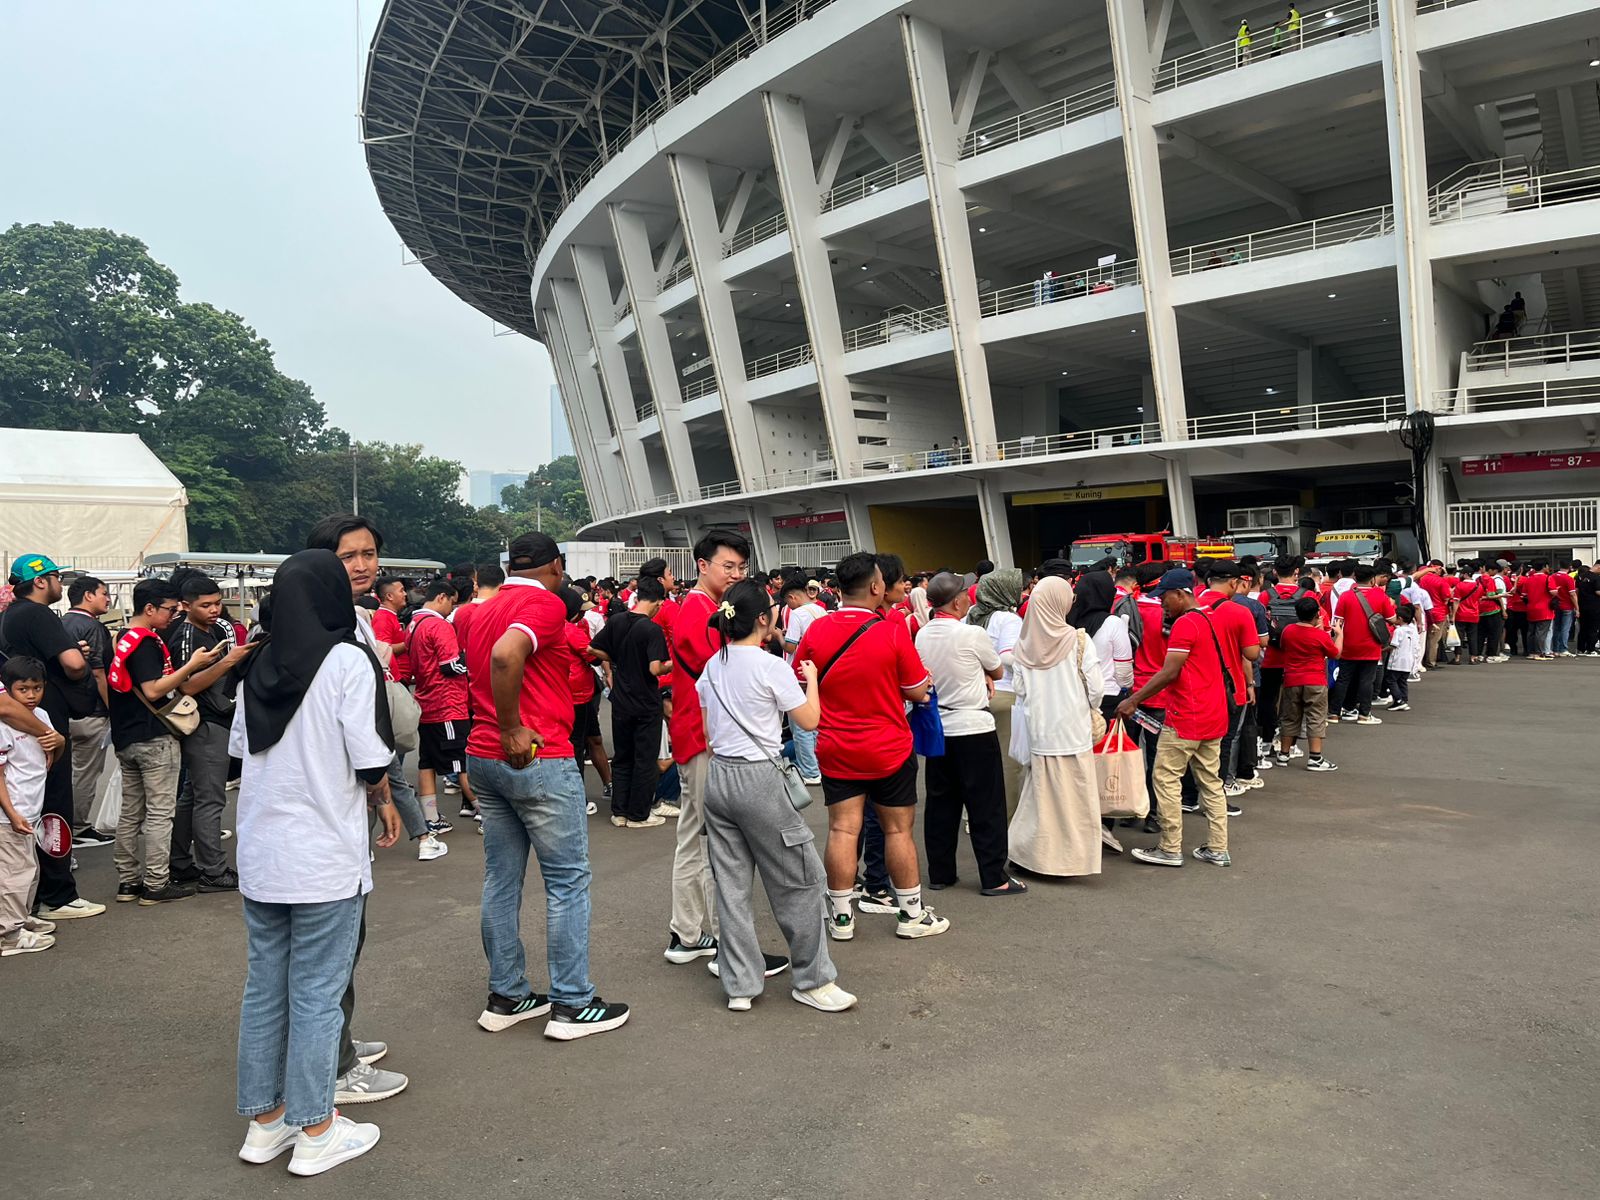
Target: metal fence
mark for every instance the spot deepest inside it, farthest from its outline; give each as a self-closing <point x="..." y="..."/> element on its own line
<point x="812" y="554"/>
<point x="684" y="269"/>
<point x="759" y="232"/>
<point x="1550" y="393"/>
<point x="873" y="181"/>
<point x="1071" y="286"/>
<point x="771" y="364"/>
<point x="897" y="323"/>
<point x="1578" y="519"/>
<point x="1096" y="99"/>
<point x="1355" y="16"/>
<point x="1287" y="239"/>
<point x="1536" y="350"/>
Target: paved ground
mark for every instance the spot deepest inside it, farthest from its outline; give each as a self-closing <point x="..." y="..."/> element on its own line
<point x="1392" y="993"/>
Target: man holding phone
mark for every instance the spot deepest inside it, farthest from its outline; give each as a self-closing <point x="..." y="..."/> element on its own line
<point x="197" y="856"/>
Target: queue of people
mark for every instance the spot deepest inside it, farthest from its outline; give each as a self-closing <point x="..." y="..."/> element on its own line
<point x="737" y="700"/>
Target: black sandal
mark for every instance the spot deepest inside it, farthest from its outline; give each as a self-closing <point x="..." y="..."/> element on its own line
<point x="1011" y="887"/>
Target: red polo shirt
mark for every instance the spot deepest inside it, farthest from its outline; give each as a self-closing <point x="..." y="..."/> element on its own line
<point x="863" y="734"/>
<point x="690" y="644"/>
<point x="1197" y="704"/>
<point x="1359" y="645"/>
<point x="545" y="705"/>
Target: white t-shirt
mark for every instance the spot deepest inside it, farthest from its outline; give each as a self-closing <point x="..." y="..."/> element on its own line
<point x="799" y="621"/>
<point x="957" y="655"/>
<point x="1004" y="629"/>
<point x="303" y="819"/>
<point x="24" y="761"/>
<point x="1419" y="598"/>
<point x="1115" y="648"/>
<point x="1407" y="649"/>
<point x="760" y="688"/>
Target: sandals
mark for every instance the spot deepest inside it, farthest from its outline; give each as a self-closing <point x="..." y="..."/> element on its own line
<point x="1011" y="887"/>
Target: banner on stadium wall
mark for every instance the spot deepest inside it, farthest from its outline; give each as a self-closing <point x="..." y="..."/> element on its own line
<point x="801" y="520"/>
<point x="1511" y="464"/>
<point x="1084" y="495"/>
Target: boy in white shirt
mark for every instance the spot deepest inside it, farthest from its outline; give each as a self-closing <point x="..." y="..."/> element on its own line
<point x="1405" y="655"/>
<point x="24" y="763"/>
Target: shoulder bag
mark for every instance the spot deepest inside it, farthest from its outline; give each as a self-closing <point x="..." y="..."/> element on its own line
<point x="793" y="785"/>
<point x="1097" y="721"/>
<point x="1378" y="626"/>
<point x="1234" y="707"/>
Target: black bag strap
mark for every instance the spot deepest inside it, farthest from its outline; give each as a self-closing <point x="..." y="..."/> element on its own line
<point x="848" y="642"/>
<point x="1227" y="675"/>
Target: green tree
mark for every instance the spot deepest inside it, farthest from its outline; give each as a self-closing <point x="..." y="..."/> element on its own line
<point x="551" y="496"/>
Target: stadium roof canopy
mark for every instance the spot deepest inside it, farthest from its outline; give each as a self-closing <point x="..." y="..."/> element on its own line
<point x="482" y="117"/>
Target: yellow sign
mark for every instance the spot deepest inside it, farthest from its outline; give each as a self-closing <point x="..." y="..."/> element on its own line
<point x="1084" y="495"/>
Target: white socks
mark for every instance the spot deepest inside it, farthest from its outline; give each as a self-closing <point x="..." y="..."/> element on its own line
<point x="430" y="807"/>
<point x="910" y="901"/>
<point x="839" y="903"/>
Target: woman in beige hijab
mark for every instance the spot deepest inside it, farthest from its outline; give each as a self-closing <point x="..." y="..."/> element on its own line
<point x="1058" y="680"/>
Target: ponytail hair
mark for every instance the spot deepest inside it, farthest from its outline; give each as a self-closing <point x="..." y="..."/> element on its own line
<point x="739" y="612"/>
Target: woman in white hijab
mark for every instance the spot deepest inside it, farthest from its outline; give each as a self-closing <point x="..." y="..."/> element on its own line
<point x="921" y="610"/>
<point x="1058" y="679"/>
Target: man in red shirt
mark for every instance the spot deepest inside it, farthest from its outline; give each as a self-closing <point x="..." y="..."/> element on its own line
<point x="531" y="797"/>
<point x="1534" y="588"/>
<point x="1564" y="596"/>
<point x="386" y="625"/>
<point x="1148" y="655"/>
<point x="1242" y="640"/>
<point x="1351" y="696"/>
<point x="1193" y="681"/>
<point x="722" y="557"/>
<point x="866" y="669"/>
<point x="1432" y="581"/>
<point x="440" y="686"/>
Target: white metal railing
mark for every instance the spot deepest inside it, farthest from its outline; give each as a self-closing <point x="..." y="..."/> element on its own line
<point x="645" y="409"/>
<point x="683" y="269"/>
<point x="1073" y="442"/>
<point x="796" y="477"/>
<point x="1290" y="417"/>
<point x="1510" y="186"/>
<point x="1577" y="518"/>
<point x="664" y="499"/>
<point x="626" y="560"/>
<point x="700" y="387"/>
<point x="1427" y="6"/>
<point x="895" y="462"/>
<point x="1099" y="98"/>
<point x="623" y="311"/>
<point x="1287" y="239"/>
<point x="759" y="232"/>
<point x="1324" y="25"/>
<point x="897" y="323"/>
<point x="712" y="490"/>
<point x="677" y="91"/>
<point x="1069" y="286"/>
<point x="813" y="554"/>
<point x="1535" y="350"/>
<point x="873" y="181"/>
<point x="771" y="364"/>
<point x="1548" y="393"/>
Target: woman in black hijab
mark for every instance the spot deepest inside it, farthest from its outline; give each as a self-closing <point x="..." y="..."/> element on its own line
<point x="1092" y="601"/>
<point x="312" y="728"/>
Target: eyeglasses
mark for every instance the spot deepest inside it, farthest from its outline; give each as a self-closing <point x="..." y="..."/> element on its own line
<point x="167" y="608"/>
<point x="731" y="566"/>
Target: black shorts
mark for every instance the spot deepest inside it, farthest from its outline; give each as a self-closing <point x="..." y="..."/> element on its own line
<point x="586" y="720"/>
<point x="442" y="747"/>
<point x="898" y="790"/>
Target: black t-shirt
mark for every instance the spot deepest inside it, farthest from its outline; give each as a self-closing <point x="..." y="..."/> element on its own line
<point x="132" y="721"/>
<point x="81" y="627"/>
<point x="183" y="639"/>
<point x="632" y="642"/>
<point x="32" y="630"/>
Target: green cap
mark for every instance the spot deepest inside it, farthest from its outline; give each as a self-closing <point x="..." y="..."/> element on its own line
<point x="31" y="566"/>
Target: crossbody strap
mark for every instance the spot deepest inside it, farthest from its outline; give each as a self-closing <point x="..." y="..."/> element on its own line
<point x="1222" y="662"/>
<point x="754" y="740"/>
<point x="848" y="642"/>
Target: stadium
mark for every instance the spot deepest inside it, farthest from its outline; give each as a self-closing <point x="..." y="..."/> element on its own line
<point x="973" y="280"/>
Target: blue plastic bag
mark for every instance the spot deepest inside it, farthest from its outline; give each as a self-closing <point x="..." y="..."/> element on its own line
<point x="927" y="729"/>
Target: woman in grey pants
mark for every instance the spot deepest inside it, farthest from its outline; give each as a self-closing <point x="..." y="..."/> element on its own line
<point x="750" y="823"/>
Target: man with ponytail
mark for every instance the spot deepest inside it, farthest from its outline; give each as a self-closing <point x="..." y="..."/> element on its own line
<point x="722" y="557"/>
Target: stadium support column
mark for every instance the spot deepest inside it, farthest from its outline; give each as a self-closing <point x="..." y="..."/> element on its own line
<point x="702" y="239"/>
<point x="797" y="186"/>
<point x="655" y="346"/>
<point x="594" y="303"/>
<point x="941" y="154"/>
<point x="996" y="526"/>
<point x="858" y="521"/>
<point x="763" y="537"/>
<point x="604" y="479"/>
<point x="1130" y="54"/>
<point x="1408" y="177"/>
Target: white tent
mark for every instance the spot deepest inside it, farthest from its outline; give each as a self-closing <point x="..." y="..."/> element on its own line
<point x="94" y="501"/>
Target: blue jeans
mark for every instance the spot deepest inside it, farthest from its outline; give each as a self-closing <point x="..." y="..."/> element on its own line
<point x="805" y="752"/>
<point x="668" y="789"/>
<point x="1561" y="631"/>
<point x="405" y="799"/>
<point x="300" y="958"/>
<point x="542" y="807"/>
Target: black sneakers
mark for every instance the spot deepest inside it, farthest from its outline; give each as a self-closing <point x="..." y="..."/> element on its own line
<point x="502" y="1012"/>
<point x="128" y="892"/>
<point x="173" y="891"/>
<point x="680" y="952"/>
<point x="775" y="964"/>
<point x="90" y="836"/>
<point x="568" y="1023"/>
<point x="228" y="881"/>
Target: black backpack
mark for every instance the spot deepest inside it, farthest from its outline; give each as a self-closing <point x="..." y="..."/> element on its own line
<point x="1281" y="614"/>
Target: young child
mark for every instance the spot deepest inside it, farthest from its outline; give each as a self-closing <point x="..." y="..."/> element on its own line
<point x="1307" y="650"/>
<point x="1405" y="655"/>
<point x="23" y="766"/>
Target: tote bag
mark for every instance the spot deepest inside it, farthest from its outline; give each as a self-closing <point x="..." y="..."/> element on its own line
<point x="927" y="727"/>
<point x="1119" y="764"/>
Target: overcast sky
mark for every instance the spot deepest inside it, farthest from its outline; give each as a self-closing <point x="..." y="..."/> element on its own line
<point x="222" y="133"/>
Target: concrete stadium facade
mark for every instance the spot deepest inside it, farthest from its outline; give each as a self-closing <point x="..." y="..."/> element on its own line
<point x="961" y="280"/>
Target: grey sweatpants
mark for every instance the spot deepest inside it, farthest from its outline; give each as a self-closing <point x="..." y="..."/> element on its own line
<point x="751" y="826"/>
<point x="197" y="819"/>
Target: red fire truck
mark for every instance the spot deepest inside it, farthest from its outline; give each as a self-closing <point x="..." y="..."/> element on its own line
<point x="1131" y="549"/>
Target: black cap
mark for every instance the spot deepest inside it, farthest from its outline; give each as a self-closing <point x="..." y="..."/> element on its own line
<point x="1222" y="569"/>
<point x="531" y="550"/>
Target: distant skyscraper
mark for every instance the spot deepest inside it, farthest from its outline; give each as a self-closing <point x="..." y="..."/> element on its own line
<point x="560" y="435"/>
<point x="486" y="486"/>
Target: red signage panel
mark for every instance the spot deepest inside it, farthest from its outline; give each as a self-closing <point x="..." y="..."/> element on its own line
<point x="801" y="520"/>
<point x="1510" y="464"/>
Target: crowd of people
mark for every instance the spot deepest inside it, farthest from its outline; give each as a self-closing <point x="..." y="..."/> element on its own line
<point x="735" y="699"/>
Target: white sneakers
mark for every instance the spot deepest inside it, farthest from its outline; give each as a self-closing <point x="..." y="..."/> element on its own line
<point x="68" y="912"/>
<point x="343" y="1140"/>
<point x="830" y="997"/>
<point x="664" y="809"/>
<point x="430" y="848"/>
<point x="649" y="822"/>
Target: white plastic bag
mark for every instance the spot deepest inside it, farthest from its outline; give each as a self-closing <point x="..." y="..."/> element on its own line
<point x="107" y="809"/>
<point x="1021" y="750"/>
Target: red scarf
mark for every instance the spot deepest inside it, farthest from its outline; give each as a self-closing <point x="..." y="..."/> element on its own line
<point x="132" y="638"/>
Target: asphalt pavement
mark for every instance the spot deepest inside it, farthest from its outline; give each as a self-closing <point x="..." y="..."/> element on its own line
<point x="1392" y="993"/>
